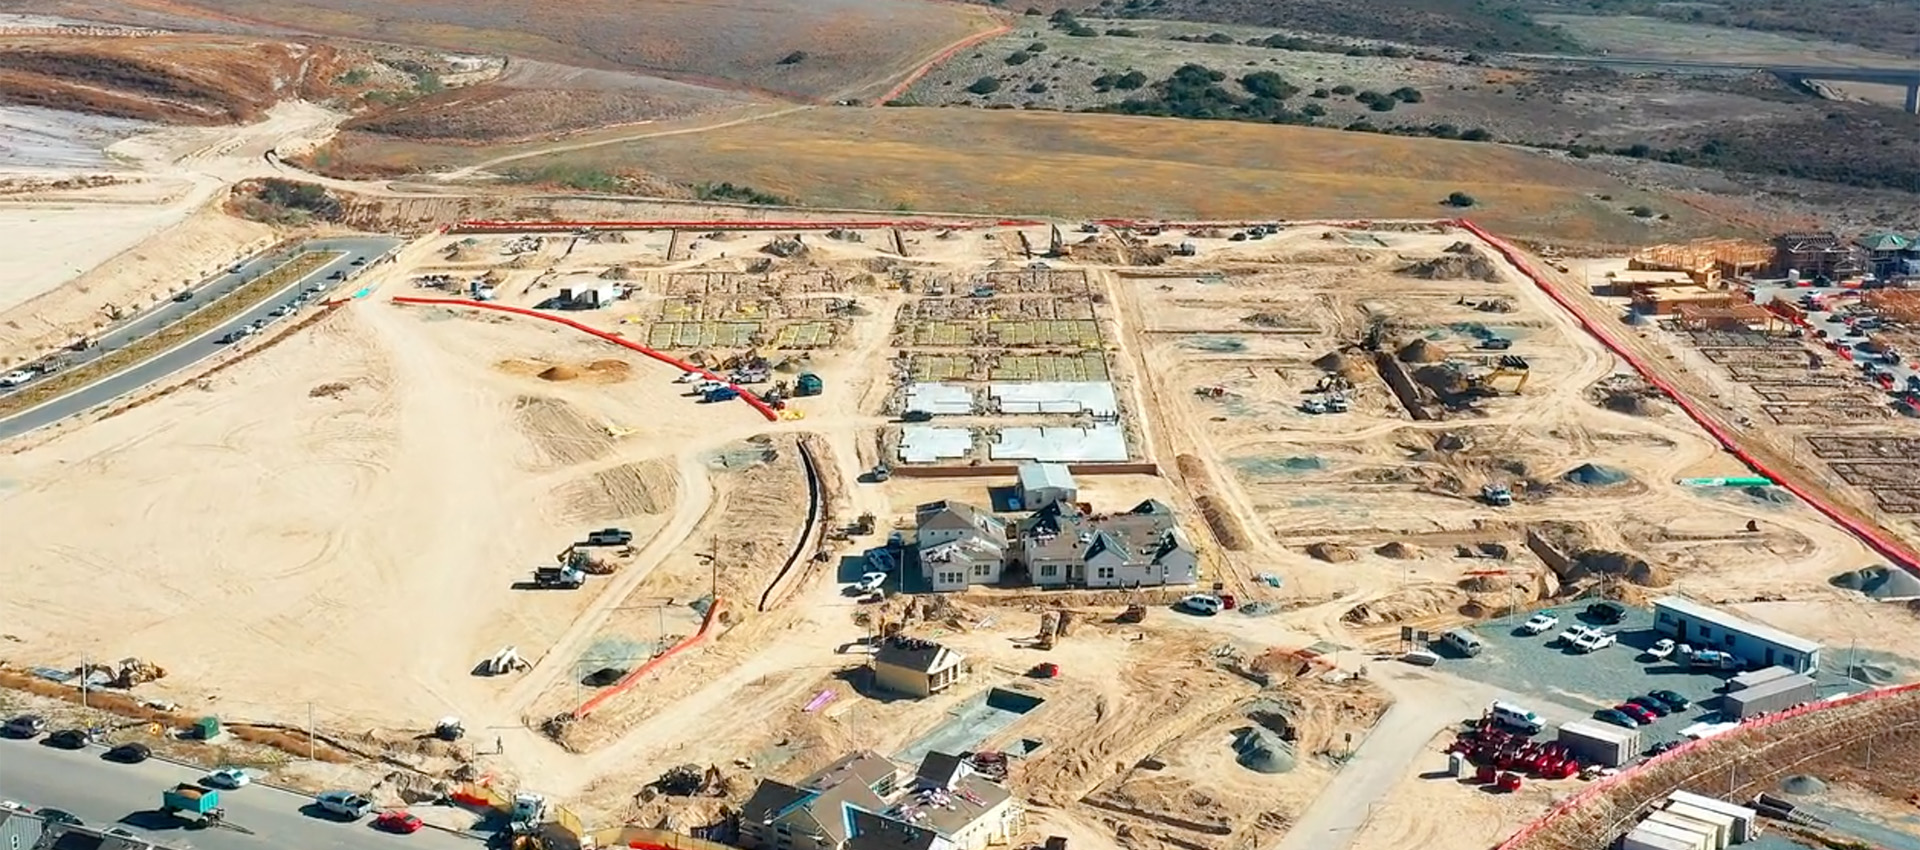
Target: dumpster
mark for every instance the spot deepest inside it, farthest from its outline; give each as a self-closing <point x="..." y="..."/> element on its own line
<point x="190" y="800"/>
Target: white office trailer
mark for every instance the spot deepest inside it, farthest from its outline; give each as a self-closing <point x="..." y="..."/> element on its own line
<point x="1706" y="833"/>
<point x="1704" y="627"/>
<point x="1669" y="836"/>
<point x="1722" y="824"/>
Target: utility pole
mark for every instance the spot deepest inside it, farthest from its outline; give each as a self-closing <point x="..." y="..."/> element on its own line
<point x="310" y="748"/>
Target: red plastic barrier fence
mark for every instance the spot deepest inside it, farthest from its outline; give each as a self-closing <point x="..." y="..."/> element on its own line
<point x="904" y="224"/>
<point x="627" y="682"/>
<point x="1887" y="548"/>
<point x="745" y="394"/>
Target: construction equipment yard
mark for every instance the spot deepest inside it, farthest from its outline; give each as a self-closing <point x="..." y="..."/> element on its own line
<point x="1362" y="429"/>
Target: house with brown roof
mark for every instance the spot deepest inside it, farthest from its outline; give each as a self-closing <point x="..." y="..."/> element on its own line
<point x="866" y="802"/>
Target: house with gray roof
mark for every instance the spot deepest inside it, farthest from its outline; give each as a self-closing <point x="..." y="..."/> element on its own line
<point x="866" y="802"/>
<point x="959" y="545"/>
<point x="1062" y="547"/>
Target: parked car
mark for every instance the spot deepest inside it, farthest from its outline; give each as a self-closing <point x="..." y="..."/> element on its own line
<point x="1594" y="640"/>
<point x="337" y="275"/>
<point x="17" y="377"/>
<point x="280" y="311"/>
<point x="870" y="582"/>
<point x="404" y="823"/>
<point x="359" y="261"/>
<point x="1663" y="746"/>
<point x="26" y="726"/>
<point x="609" y="537"/>
<point x="129" y="753"/>
<point x="1204" y="604"/>
<point x="1616" y="717"/>
<point x="68" y="739"/>
<point x="1639" y="715"/>
<point x="183" y="296"/>
<point x="1661" y="650"/>
<point x="1608" y="613"/>
<point x="228" y="777"/>
<point x="1653" y="706"/>
<point x="1540" y="622"/>
<point x="59" y="816"/>
<point x="1675" y="702"/>
<point x="231" y="337"/>
<point x="344" y="803"/>
<point x="1573" y="635"/>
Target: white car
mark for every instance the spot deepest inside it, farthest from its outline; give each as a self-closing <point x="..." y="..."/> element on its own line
<point x="870" y="582"/>
<point x="1541" y="622"/>
<point x="16" y="378"/>
<point x="1203" y="603"/>
<point x="1574" y="634"/>
<point x="1661" y="649"/>
<point x="1594" y="640"/>
<point x="228" y="777"/>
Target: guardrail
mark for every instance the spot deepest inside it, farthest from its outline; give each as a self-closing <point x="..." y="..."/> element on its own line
<point x="746" y="395"/>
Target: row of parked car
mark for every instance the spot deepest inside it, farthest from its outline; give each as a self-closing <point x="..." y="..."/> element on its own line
<point x="342" y="804"/>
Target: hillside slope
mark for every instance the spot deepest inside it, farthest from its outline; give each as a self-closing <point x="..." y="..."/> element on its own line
<point x="189" y="79"/>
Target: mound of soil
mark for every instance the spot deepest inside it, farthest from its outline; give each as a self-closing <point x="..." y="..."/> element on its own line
<point x="1261" y="751"/>
<point x="1879" y="583"/>
<point x="560" y="372"/>
<point x="1398" y="551"/>
<point x="1465" y="266"/>
<point x="616" y="273"/>
<point x="1332" y="553"/>
<point x="1451" y="441"/>
<point x="1606" y="563"/>
<point x="1769" y="495"/>
<point x="1269" y="320"/>
<point x="1632" y="404"/>
<point x="1595" y="475"/>
<point x="327" y="390"/>
<point x="1421" y="351"/>
<point x="1801" y="785"/>
<point x="1412" y="604"/>
<point x="1460" y="248"/>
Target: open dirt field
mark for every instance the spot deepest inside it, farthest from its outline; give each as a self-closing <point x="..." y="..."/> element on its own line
<point x="1065" y="165"/>
<point x="843" y="46"/>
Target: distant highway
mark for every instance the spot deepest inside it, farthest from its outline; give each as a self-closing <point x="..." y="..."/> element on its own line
<point x="1908" y="76"/>
<point x="105" y="794"/>
<point x="167" y="363"/>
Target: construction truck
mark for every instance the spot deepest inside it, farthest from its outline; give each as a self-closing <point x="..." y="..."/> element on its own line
<point x="1497" y="495"/>
<point x="528" y="812"/>
<point x="807" y="384"/>
<point x="558" y="578"/>
<point x="881" y="472"/>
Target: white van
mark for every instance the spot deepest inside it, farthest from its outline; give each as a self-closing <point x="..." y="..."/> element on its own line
<point x="1466" y="642"/>
<point x="1514" y="717"/>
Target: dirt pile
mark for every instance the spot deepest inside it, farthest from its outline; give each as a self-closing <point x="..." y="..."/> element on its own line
<point x="1261" y="751"/>
<point x="561" y="372"/>
<point x="628" y="490"/>
<point x="328" y="390"/>
<point x="1273" y="320"/>
<point x="1223" y="522"/>
<point x="1332" y="553"/>
<point x="616" y="273"/>
<point x="1608" y="564"/>
<point x="1418" y="603"/>
<point x="1462" y="266"/>
<point x="1595" y="475"/>
<point x="1398" y="551"/>
<point x="1421" y="351"/>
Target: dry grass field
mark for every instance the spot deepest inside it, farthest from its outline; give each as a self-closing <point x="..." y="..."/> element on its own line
<point x="814" y="49"/>
<point x="1032" y="163"/>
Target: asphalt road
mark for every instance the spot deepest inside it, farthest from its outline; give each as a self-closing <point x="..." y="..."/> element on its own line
<point x="200" y="348"/>
<point x="106" y="794"/>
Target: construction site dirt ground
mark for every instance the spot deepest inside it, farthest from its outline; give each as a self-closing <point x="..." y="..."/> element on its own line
<point x="373" y="486"/>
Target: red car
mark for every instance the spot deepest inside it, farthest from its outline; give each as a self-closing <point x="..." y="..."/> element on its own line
<point x="1636" y="712"/>
<point x="402" y="822"/>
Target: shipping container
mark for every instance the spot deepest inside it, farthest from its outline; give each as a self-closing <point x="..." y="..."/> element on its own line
<point x="1709" y="836"/>
<point x="1693" y="839"/>
<point x="1722" y="823"/>
<point x="1609" y="746"/>
<point x="1757" y="677"/>
<point x="1768" y="697"/>
<point x="1640" y="839"/>
<point x="1743" y="816"/>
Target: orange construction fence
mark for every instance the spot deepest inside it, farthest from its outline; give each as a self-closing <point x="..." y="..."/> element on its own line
<point x="746" y="395"/>
<point x="627" y="682"/>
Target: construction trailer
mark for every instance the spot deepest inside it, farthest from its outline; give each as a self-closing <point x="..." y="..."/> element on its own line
<point x="1722" y="823"/>
<point x="1753" y="644"/>
<point x="1768" y="697"/>
<point x="1605" y="745"/>
<point x="1744" y="818"/>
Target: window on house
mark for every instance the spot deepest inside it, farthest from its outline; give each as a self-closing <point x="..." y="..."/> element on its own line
<point x="1105" y="572"/>
<point x="1666" y="617"/>
<point x="1706" y="632"/>
<point x="953" y="578"/>
<point x="1049" y="570"/>
<point x="782" y="828"/>
<point x="981" y="570"/>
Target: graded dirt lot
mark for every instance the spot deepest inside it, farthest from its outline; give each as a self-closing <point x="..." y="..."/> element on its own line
<point x="1065" y="165"/>
<point x="374" y="486"/>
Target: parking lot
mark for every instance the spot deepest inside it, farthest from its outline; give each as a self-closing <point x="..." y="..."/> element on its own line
<point x="1536" y="664"/>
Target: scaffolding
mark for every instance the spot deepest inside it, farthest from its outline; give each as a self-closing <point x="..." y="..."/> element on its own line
<point x="1706" y="260"/>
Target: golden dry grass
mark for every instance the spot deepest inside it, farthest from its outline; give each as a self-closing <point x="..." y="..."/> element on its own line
<point x="1089" y="166"/>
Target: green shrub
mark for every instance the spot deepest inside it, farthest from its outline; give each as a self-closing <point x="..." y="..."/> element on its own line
<point x="1460" y="199"/>
<point x="985" y="85"/>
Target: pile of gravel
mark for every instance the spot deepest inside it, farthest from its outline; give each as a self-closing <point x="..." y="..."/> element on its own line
<point x="1595" y="475"/>
<point x="1261" y="751"/>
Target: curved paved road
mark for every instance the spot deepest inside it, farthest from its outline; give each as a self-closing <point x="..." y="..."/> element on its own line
<point x="199" y="348"/>
<point x="105" y="794"/>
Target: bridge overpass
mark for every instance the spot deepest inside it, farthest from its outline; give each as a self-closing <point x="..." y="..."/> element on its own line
<point x="1908" y="77"/>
